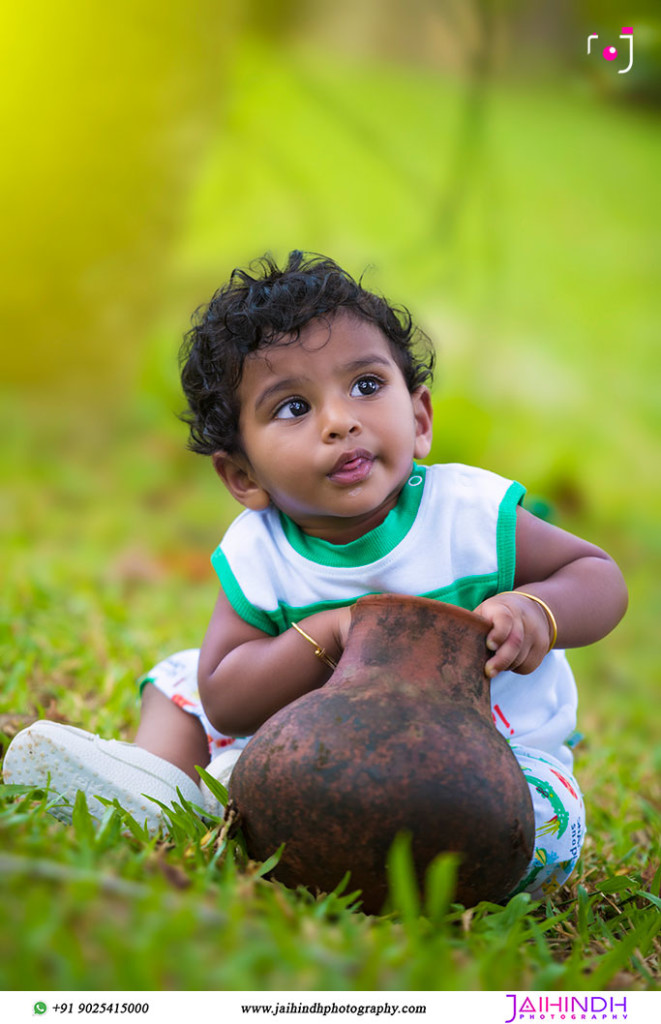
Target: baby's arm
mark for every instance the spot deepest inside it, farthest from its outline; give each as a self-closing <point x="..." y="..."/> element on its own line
<point x="245" y="676"/>
<point x="579" y="582"/>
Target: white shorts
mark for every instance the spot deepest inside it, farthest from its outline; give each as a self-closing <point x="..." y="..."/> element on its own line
<point x="176" y="677"/>
<point x="556" y="797"/>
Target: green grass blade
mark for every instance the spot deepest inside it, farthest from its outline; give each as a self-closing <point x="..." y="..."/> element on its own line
<point x="440" y="886"/>
<point x="404" y="894"/>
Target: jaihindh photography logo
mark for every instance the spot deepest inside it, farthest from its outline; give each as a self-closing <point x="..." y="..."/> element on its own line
<point x="523" y="1007"/>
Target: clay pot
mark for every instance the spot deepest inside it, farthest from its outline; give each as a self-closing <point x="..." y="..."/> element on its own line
<point x="400" y="738"/>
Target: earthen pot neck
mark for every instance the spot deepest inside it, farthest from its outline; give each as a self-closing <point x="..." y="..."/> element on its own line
<point x="415" y="642"/>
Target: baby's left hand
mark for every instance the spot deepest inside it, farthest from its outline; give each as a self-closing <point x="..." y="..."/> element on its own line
<point x="520" y="633"/>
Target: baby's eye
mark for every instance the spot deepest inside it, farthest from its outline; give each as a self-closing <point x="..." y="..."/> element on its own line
<point x="366" y="386"/>
<point x="292" y="408"/>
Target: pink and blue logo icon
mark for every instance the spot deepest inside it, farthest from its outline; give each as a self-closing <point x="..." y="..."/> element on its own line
<point x="610" y="52"/>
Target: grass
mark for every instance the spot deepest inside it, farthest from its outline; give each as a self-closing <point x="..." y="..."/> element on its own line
<point x="86" y="908"/>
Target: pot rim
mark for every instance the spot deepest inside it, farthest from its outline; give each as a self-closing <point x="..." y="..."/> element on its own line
<point x="442" y="607"/>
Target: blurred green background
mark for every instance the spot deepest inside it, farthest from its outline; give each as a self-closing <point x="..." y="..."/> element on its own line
<point x="487" y="172"/>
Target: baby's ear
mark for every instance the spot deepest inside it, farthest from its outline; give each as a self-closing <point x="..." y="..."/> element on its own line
<point x="236" y="473"/>
<point x="424" y="415"/>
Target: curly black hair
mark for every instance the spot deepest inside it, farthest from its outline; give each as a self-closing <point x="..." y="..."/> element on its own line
<point x="265" y="305"/>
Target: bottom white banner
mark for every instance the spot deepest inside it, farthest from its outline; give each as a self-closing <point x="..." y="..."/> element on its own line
<point x="313" y="1008"/>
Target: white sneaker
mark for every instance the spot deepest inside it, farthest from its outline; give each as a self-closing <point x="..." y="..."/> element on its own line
<point x="66" y="760"/>
<point x="221" y="769"/>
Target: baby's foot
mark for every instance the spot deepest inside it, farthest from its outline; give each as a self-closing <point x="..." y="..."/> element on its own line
<point x="67" y="760"/>
<point x="220" y="769"/>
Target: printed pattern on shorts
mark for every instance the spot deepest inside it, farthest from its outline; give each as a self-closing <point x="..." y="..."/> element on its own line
<point x="559" y="821"/>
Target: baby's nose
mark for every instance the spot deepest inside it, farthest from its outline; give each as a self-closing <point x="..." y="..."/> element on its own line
<point x="338" y="420"/>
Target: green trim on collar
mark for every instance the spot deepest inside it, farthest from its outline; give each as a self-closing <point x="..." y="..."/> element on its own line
<point x="375" y="544"/>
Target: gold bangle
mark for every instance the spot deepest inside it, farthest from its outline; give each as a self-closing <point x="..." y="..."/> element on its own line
<point x="549" y="614"/>
<point x="319" y="651"/>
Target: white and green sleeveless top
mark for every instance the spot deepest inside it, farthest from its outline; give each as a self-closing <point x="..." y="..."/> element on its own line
<point x="450" y="537"/>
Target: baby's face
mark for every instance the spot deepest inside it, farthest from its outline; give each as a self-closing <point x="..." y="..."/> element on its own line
<point x="329" y="427"/>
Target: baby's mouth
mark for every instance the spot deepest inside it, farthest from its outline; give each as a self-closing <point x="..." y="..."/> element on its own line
<point x="352" y="467"/>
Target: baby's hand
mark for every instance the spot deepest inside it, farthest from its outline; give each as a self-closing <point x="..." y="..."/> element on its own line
<point x="330" y="630"/>
<point x="342" y="626"/>
<point x="520" y="633"/>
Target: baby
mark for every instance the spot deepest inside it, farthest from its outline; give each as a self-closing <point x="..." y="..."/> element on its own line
<point x="310" y="395"/>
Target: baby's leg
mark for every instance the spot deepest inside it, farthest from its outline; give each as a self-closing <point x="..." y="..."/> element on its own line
<point x="559" y="821"/>
<point x="169" y="732"/>
<point x="174" y="726"/>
